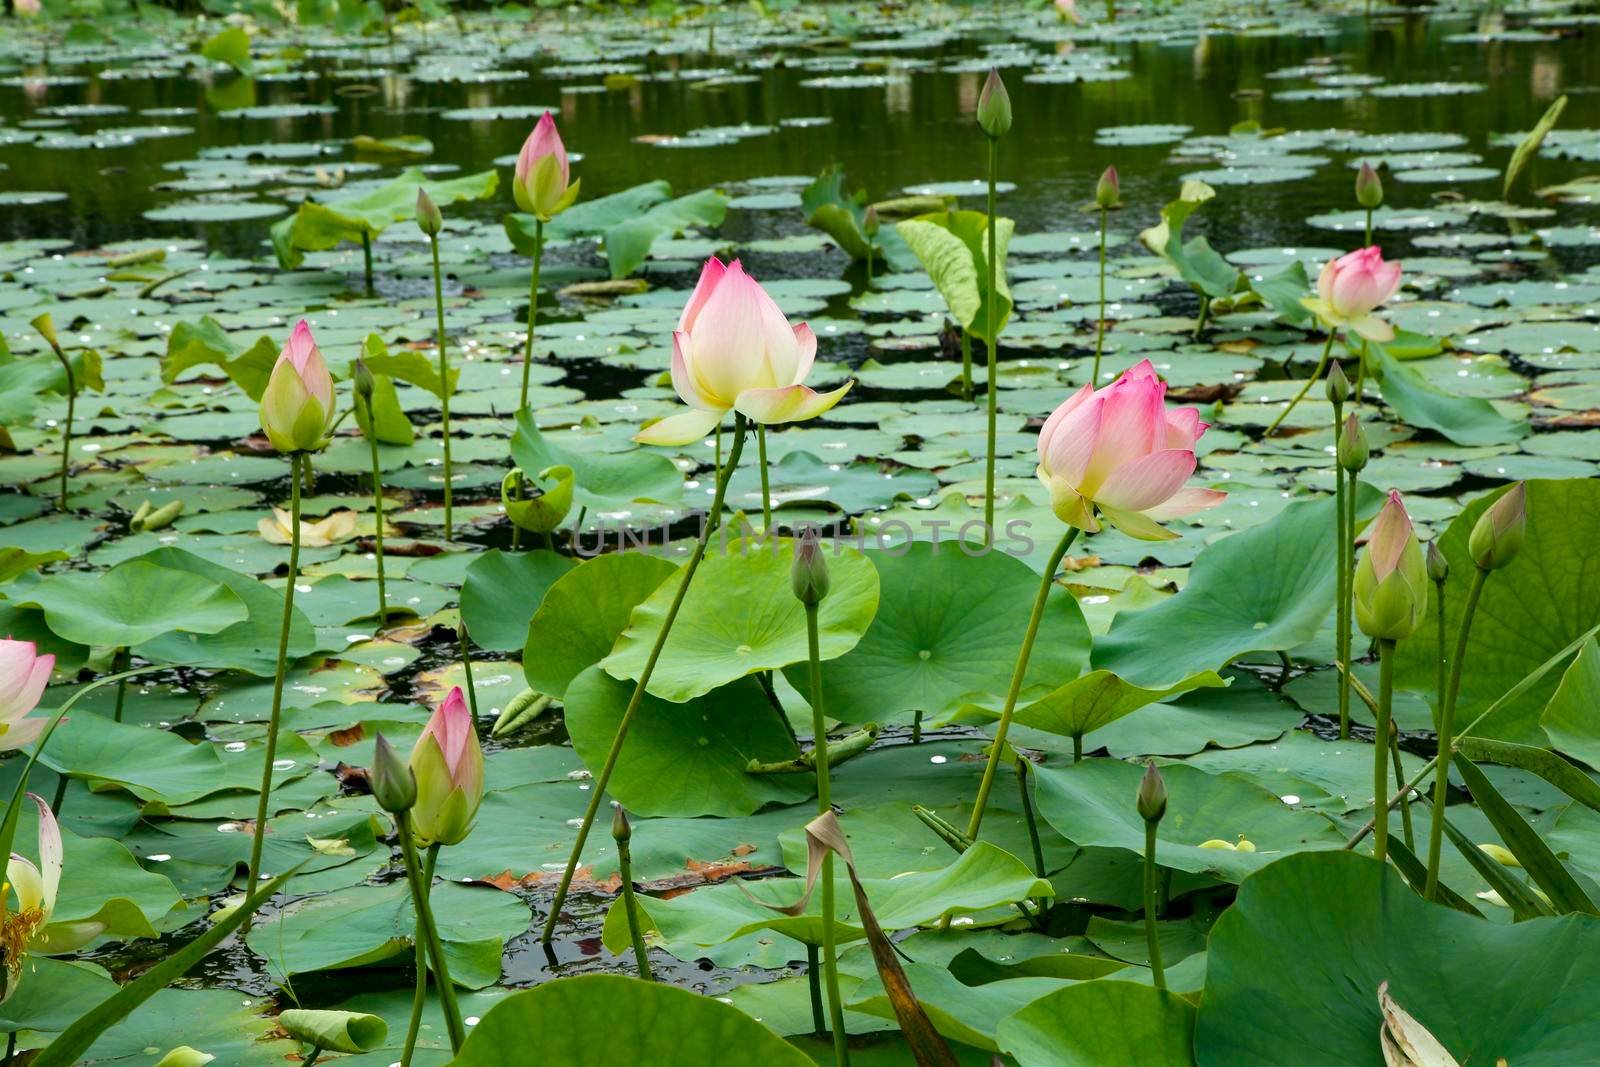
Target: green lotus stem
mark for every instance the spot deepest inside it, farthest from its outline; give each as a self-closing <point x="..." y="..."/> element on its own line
<point x="1077" y="748"/>
<point x="992" y="346"/>
<point x="430" y="932"/>
<point x="1152" y="900"/>
<point x="366" y="256"/>
<point x="819" y="745"/>
<point x="533" y="304"/>
<point x="1100" y="323"/>
<point x="1205" y="313"/>
<point x="377" y="501"/>
<point x="1368" y="242"/>
<point x="466" y="667"/>
<point x="1316" y="376"/>
<point x="444" y="398"/>
<point x="631" y="908"/>
<point x="819" y="1022"/>
<point x="1045" y="582"/>
<point x="1400" y="779"/>
<point x="846" y="747"/>
<point x="1342" y="539"/>
<point x="1027" y="814"/>
<point x="1447" y="715"/>
<point x="1380" y="749"/>
<point x="741" y="427"/>
<point x="1347" y="553"/>
<point x="1361" y="373"/>
<point x="966" y="365"/>
<point x="72" y="401"/>
<point x="916" y="727"/>
<point x="312" y="1058"/>
<point x="119" y="663"/>
<point x="420" y="996"/>
<point x="718" y="461"/>
<point x="258" y="839"/>
<point x="766" y="493"/>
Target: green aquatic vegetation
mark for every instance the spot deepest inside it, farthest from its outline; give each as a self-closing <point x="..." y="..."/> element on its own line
<point x="528" y="507"/>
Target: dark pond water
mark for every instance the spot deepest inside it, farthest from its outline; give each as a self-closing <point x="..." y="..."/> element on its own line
<point x="911" y="132"/>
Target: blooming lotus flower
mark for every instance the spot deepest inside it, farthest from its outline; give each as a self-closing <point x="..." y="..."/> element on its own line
<point x="35" y="889"/>
<point x="448" y="763"/>
<point x="1118" y="450"/>
<point x="1350" y="287"/>
<point x="297" y="409"/>
<point x="1390" y="584"/>
<point x="25" y="8"/>
<point x="734" y="349"/>
<point x="23" y="675"/>
<point x="335" y="529"/>
<point x="540" y="186"/>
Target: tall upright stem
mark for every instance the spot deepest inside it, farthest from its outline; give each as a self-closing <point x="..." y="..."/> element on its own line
<point x="1352" y="488"/>
<point x="270" y="756"/>
<point x="766" y="492"/>
<point x="66" y="438"/>
<point x="366" y="259"/>
<point x="1447" y="716"/>
<point x="1152" y="904"/>
<point x="741" y="426"/>
<point x="1100" y="323"/>
<point x="1045" y="582"/>
<point x="1316" y="376"/>
<point x="430" y="933"/>
<point x="533" y="304"/>
<point x="1027" y="815"/>
<point x="966" y="364"/>
<point x="1380" y="750"/>
<point x="119" y="663"/>
<point x="993" y="345"/>
<point x="466" y="668"/>
<point x="377" y="504"/>
<point x="444" y="390"/>
<point x="1342" y="540"/>
<point x="819" y="755"/>
<point x="420" y="996"/>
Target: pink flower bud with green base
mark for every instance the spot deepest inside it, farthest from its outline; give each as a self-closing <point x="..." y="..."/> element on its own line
<point x="23" y="676"/>
<point x="448" y="763"/>
<point x="1120" y="453"/>
<point x="1337" y="385"/>
<point x="1369" y="187"/>
<point x="297" y="408"/>
<point x="1390" y="584"/>
<point x="1151" y="801"/>
<point x="1352" y="448"/>
<point x="994" y="106"/>
<point x="429" y="218"/>
<point x="1497" y="536"/>
<point x="735" y="350"/>
<point x="809" y="576"/>
<point x="1438" y="566"/>
<point x="1351" y="287"/>
<point x="1108" y="190"/>
<point x="543" y="185"/>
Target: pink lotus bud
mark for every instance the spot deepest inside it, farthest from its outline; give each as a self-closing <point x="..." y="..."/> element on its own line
<point x="541" y="186"/>
<point x="23" y="675"/>
<point x="1390" y="583"/>
<point x="448" y="763"/>
<point x="1108" y="190"/>
<point x="1120" y="452"/>
<point x="1369" y="187"/>
<point x="297" y="409"/>
<point x="1350" y="287"/>
<point x="1498" y="534"/>
<point x="734" y="350"/>
<point x="994" y="106"/>
<point x="26" y="8"/>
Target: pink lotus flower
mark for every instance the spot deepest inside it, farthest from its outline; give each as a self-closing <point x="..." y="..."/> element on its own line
<point x="1118" y="450"/>
<point x="1068" y="10"/>
<point x="26" y="8"/>
<point x="448" y="763"/>
<point x="297" y="409"/>
<point x="541" y="186"/>
<point x="35" y="888"/>
<point x="734" y="349"/>
<point x="23" y="675"/>
<point x="1350" y="287"/>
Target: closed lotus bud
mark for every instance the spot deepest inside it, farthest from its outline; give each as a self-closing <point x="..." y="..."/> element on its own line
<point x="621" y="829"/>
<point x="1108" y="190"/>
<point x="393" y="785"/>
<point x="1497" y="538"/>
<point x="297" y="408"/>
<point x="869" y="221"/>
<point x="1152" y="799"/>
<point x="1352" y="445"/>
<point x="1369" y="189"/>
<point x="448" y="763"/>
<point x="1438" y="566"/>
<point x="810" y="573"/>
<point x="543" y="183"/>
<point x="994" y="106"/>
<point x="1390" y="584"/>
<point x="364" y="382"/>
<point x="429" y="220"/>
<point x="1338" y="386"/>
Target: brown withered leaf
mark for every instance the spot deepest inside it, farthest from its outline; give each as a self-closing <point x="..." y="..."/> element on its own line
<point x="348" y="736"/>
<point x="1207" y="394"/>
